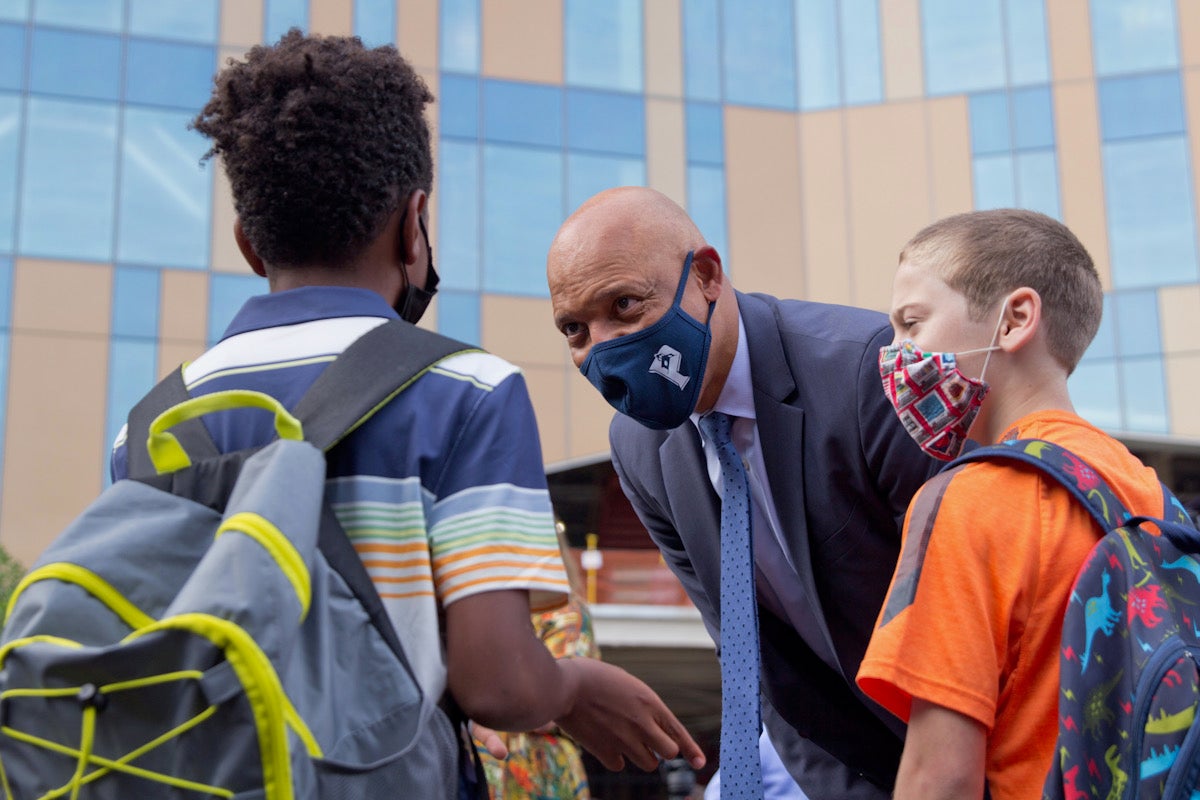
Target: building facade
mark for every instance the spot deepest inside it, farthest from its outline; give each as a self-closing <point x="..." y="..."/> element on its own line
<point x="808" y="138"/>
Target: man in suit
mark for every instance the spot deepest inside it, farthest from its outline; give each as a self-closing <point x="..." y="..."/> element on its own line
<point x="830" y="469"/>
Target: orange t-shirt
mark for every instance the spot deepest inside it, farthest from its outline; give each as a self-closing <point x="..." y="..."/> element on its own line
<point x="973" y="618"/>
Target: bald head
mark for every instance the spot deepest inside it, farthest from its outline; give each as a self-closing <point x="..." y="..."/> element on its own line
<point x="615" y="266"/>
<point x="628" y="219"/>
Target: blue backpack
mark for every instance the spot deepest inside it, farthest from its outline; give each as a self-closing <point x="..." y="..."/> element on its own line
<point x="1131" y="639"/>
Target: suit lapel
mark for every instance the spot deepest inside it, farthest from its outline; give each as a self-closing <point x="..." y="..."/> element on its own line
<point x="695" y="508"/>
<point x="781" y="435"/>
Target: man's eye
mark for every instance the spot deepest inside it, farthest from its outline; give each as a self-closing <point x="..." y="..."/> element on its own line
<point x="624" y="303"/>
<point x="571" y="328"/>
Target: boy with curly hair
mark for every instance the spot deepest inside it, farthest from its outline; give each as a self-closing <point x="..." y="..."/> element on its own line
<point x="442" y="492"/>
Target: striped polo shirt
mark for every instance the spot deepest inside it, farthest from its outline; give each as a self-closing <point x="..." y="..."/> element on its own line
<point x="442" y="492"/>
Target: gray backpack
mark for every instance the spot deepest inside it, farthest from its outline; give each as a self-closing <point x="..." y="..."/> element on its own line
<point x="209" y="630"/>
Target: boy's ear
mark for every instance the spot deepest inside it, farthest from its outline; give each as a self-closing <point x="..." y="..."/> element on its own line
<point x="411" y="244"/>
<point x="247" y="249"/>
<point x="1022" y="319"/>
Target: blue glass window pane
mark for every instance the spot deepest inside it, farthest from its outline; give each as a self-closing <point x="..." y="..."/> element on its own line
<point x="990" y="126"/>
<point x="459" y="101"/>
<point x="73" y="63"/>
<point x="1028" y="51"/>
<point x="1137" y="328"/>
<point x="15" y="10"/>
<point x="132" y="371"/>
<point x="522" y="113"/>
<point x="820" y="61"/>
<point x="458" y="315"/>
<point x="701" y="48"/>
<point x="602" y="44"/>
<point x="169" y="74"/>
<point x="226" y="294"/>
<point x="460" y="35"/>
<point x="995" y="185"/>
<point x="1093" y="387"/>
<point x="1133" y="35"/>
<point x="1151" y="223"/>
<point x="6" y="277"/>
<point x="964" y="48"/>
<point x="12" y="56"/>
<point x="10" y="128"/>
<point x="135" y="302"/>
<point x="1033" y="118"/>
<point x="606" y="122"/>
<point x="375" y="21"/>
<point x="1037" y="181"/>
<point x="458" y="215"/>
<point x="588" y="175"/>
<point x="101" y="15"/>
<point x="522" y="209"/>
<point x="760" y="37"/>
<point x="1143" y="396"/>
<point x="706" y="205"/>
<point x="705" y="134"/>
<point x="67" y="185"/>
<point x="860" y="51"/>
<point x="1104" y="344"/>
<point x="1141" y="105"/>
<point x="281" y="15"/>
<point x="187" y="20"/>
<point x="165" y="194"/>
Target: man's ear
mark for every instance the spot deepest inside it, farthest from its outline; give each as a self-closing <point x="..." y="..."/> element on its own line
<point x="411" y="246"/>
<point x="247" y="249"/>
<point x="706" y="266"/>
<point x="1022" y="319"/>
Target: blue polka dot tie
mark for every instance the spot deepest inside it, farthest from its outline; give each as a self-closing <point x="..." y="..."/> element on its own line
<point x="741" y="716"/>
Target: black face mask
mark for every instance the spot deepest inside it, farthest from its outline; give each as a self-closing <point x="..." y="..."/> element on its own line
<point x="413" y="301"/>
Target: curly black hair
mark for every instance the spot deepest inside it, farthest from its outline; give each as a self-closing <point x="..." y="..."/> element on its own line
<point x="322" y="140"/>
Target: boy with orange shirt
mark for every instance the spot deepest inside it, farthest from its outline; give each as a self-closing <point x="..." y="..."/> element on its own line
<point x="966" y="646"/>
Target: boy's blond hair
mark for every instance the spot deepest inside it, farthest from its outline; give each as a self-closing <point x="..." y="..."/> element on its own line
<point x="986" y="254"/>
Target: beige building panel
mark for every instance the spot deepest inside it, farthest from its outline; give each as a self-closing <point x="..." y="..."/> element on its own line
<point x="1183" y="387"/>
<point x="521" y="329"/>
<point x="762" y="178"/>
<point x="1178" y="310"/>
<point x="241" y="22"/>
<point x="417" y="32"/>
<point x="903" y="64"/>
<point x="522" y="40"/>
<point x="225" y="255"/>
<point x="949" y="155"/>
<point x="331" y="17"/>
<point x="62" y="297"/>
<point x="54" y="434"/>
<point x="823" y="184"/>
<point x="1188" y="14"/>
<point x="1191" y="102"/>
<point x="549" y="404"/>
<point x="588" y="416"/>
<point x="889" y="182"/>
<point x="666" y="148"/>
<point x="1081" y="170"/>
<point x="1068" y="27"/>
<point x="663" y="39"/>
<point x="182" y="317"/>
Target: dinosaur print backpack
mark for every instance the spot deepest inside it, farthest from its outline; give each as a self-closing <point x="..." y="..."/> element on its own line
<point x="1131" y="639"/>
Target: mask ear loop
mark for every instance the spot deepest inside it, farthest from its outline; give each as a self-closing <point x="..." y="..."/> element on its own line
<point x="993" y="347"/>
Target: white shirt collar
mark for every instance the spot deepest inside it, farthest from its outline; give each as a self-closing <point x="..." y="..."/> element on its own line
<point x="737" y="396"/>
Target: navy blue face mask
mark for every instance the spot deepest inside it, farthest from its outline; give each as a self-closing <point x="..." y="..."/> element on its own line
<point x="654" y="375"/>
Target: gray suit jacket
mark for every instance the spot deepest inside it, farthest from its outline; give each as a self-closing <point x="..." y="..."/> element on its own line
<point x="841" y="471"/>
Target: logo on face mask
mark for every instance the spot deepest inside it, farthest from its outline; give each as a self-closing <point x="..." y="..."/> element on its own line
<point x="666" y="363"/>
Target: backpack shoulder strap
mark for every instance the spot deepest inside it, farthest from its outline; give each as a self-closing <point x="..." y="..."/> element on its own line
<point x="192" y="434"/>
<point x="376" y="367"/>
<point x="1075" y="475"/>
